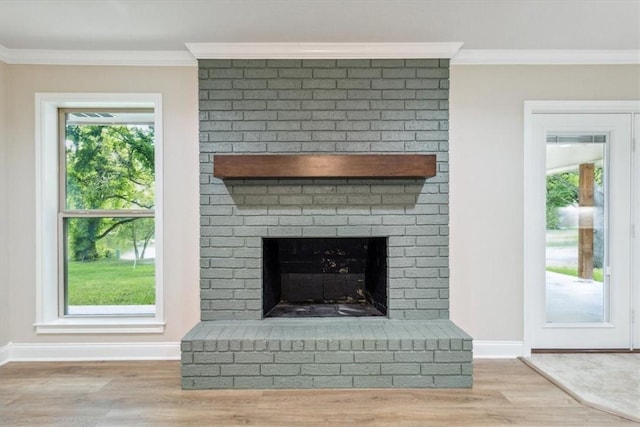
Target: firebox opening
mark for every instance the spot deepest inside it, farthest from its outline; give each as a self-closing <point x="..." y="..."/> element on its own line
<point x="324" y="277"/>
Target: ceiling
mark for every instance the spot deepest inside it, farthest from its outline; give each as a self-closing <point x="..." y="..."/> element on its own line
<point x="568" y="157"/>
<point x="168" y="24"/>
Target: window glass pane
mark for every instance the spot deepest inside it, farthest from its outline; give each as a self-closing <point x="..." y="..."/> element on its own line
<point x="576" y="283"/>
<point x="109" y="265"/>
<point x="109" y="160"/>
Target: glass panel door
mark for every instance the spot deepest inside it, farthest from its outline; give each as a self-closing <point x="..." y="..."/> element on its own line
<point x="576" y="233"/>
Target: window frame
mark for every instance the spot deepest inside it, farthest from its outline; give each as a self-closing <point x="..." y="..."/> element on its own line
<point x="65" y="213"/>
<point x="50" y="317"/>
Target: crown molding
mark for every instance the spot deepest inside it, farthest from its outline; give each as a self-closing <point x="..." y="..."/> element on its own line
<point x="452" y="50"/>
<point x="546" y="57"/>
<point x="323" y="50"/>
<point x="168" y="58"/>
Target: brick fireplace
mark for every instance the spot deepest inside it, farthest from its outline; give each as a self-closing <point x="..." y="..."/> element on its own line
<point x="403" y="338"/>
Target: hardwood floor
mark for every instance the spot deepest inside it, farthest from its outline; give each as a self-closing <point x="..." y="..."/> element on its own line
<point x="148" y="393"/>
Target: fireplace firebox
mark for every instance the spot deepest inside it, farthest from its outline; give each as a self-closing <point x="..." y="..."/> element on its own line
<point x="324" y="277"/>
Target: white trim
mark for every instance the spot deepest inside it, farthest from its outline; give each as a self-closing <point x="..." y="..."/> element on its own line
<point x="58" y="352"/>
<point x="498" y="349"/>
<point x="168" y="58"/>
<point x="451" y="50"/>
<point x="322" y="50"/>
<point x="13" y="352"/>
<point x="47" y="319"/>
<point x="578" y="107"/>
<point x="635" y="221"/>
<point x="5" y="354"/>
<point x="5" y="53"/>
<point x="96" y="325"/>
<point x="545" y="57"/>
<point x="550" y="107"/>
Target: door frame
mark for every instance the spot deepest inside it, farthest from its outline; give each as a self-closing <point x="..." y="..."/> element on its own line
<point x="531" y="171"/>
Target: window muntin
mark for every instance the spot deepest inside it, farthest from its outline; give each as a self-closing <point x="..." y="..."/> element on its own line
<point x="106" y="216"/>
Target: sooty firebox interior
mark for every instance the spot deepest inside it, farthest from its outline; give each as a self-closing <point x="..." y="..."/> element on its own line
<point x="324" y="277"/>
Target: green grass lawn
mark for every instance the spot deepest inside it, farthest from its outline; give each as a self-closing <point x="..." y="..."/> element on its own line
<point x="573" y="271"/>
<point x="111" y="282"/>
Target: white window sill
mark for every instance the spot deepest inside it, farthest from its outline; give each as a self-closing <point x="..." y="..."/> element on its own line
<point x="112" y="310"/>
<point x="101" y="325"/>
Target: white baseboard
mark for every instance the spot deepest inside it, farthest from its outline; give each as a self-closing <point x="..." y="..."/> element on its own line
<point x="58" y="352"/>
<point x="497" y="349"/>
<point x="26" y="352"/>
<point x="4" y="354"/>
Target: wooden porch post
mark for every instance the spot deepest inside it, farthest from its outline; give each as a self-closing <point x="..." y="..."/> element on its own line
<point x="585" y="221"/>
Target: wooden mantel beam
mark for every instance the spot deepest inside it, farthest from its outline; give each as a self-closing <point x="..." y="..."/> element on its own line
<point x="324" y="166"/>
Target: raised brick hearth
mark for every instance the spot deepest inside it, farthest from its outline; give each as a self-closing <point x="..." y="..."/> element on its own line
<point x="326" y="353"/>
<point x="321" y="107"/>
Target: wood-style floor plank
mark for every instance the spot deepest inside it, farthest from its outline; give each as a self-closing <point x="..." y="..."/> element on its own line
<point x="505" y="392"/>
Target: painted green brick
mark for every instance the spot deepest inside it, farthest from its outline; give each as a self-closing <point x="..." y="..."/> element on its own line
<point x="466" y="369"/>
<point x="292" y="382"/>
<point x="305" y="365"/>
<point x="201" y="371"/>
<point x="252" y="382"/>
<point x="360" y="369"/>
<point x="320" y="369"/>
<point x="333" y="382"/>
<point x="452" y="356"/>
<point x="186" y="357"/>
<point x="253" y="357"/>
<point x="453" y="381"/>
<point x="373" y="381"/>
<point x="412" y="381"/>
<point x="373" y="357"/>
<point x="239" y="370"/>
<point x="249" y="63"/>
<point x="284" y="63"/>
<point x="413" y="356"/>
<point x="280" y="369"/>
<point x="200" y="383"/>
<point x="442" y="368"/>
<point x="294" y="357"/>
<point x="213" y="358"/>
<point x="400" y="369"/>
<point x="334" y="357"/>
<point x="325" y="106"/>
<point x="260" y="73"/>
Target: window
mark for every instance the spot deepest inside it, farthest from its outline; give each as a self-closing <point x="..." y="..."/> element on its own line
<point x="99" y="249"/>
<point x="106" y="212"/>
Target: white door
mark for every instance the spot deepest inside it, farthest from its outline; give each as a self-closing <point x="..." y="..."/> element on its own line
<point x="578" y="231"/>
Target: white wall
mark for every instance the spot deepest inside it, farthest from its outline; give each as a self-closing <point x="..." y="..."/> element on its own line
<point x="178" y="86"/>
<point x="4" y="290"/>
<point x="486" y="154"/>
<point x="486" y="185"/>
